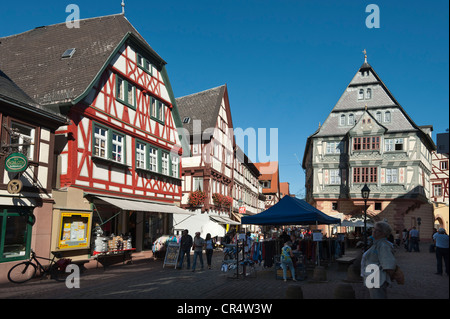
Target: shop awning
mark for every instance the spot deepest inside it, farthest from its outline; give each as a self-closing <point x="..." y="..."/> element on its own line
<point x="224" y="220"/>
<point x="142" y="206"/>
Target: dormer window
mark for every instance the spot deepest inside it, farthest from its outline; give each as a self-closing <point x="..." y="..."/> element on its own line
<point x="387" y="117"/>
<point x="368" y="94"/>
<point x="351" y="119"/>
<point x="342" y="120"/>
<point x="361" y="94"/>
<point x="378" y="116"/>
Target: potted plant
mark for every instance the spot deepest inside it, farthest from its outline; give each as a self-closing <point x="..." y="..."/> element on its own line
<point x="197" y="198"/>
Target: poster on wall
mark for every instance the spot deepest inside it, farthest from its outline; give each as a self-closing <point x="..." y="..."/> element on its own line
<point x="75" y="230"/>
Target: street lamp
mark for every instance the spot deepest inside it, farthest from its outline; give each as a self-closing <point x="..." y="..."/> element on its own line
<point x="365" y="192"/>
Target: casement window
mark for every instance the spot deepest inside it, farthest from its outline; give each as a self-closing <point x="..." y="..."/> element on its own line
<point x="15" y="233"/>
<point x="100" y="142"/>
<point x="366" y="143"/>
<point x="23" y="139"/>
<point x="175" y="166"/>
<point x="117" y="147"/>
<point x="140" y="155"/>
<point x="334" y="147"/>
<point x="379" y="116"/>
<point x="108" y="144"/>
<point x="361" y="94"/>
<point x="125" y="92"/>
<point x="394" y="144"/>
<point x="437" y="190"/>
<point x="153" y="159"/>
<point x="387" y="117"/>
<point x="165" y="163"/>
<point x="335" y="176"/>
<point x="368" y="94"/>
<point x="265" y="184"/>
<point x="443" y="165"/>
<point x="391" y="175"/>
<point x="144" y="64"/>
<point x="198" y="183"/>
<point x="157" y="109"/>
<point x="342" y="120"/>
<point x="365" y="174"/>
<point x="351" y="119"/>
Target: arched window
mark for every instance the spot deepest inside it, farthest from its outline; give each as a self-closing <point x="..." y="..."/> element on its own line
<point x="351" y="119"/>
<point x="361" y="94"/>
<point x="342" y="120"/>
<point x="378" y="116"/>
<point x="368" y="94"/>
<point x="387" y="117"/>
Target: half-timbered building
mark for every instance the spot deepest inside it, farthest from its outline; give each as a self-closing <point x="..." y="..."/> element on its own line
<point x="368" y="138"/>
<point x="27" y="137"/>
<point x="119" y="158"/>
<point x="206" y="118"/>
<point x="270" y="181"/>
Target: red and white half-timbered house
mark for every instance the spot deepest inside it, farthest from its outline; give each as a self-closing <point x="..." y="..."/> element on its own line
<point x="119" y="158"/>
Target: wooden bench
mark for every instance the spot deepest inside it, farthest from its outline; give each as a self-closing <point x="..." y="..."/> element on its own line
<point x="344" y="262"/>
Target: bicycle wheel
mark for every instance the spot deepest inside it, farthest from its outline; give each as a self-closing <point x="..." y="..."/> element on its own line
<point x="22" y="272"/>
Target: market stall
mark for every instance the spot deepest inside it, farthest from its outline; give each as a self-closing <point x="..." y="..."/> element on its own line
<point x="294" y="211"/>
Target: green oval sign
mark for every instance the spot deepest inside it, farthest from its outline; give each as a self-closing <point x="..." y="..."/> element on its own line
<point x="16" y="162"/>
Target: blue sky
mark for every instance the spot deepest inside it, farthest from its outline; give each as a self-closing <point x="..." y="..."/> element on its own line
<point x="285" y="62"/>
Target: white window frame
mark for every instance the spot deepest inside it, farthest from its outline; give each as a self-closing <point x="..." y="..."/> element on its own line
<point x="165" y="163"/>
<point x="98" y="138"/>
<point x="335" y="176"/>
<point x="197" y="183"/>
<point x="117" y="147"/>
<point x="22" y="138"/>
<point x="391" y="175"/>
<point x="175" y="165"/>
<point x="153" y="159"/>
<point x="140" y="155"/>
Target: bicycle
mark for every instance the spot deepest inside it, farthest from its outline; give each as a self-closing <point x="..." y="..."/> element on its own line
<point x="27" y="270"/>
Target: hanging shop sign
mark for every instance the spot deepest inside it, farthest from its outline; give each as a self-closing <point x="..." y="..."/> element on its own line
<point x="16" y="162"/>
<point x="14" y="186"/>
<point x="242" y="210"/>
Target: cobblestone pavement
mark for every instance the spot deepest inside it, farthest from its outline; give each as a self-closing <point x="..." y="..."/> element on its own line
<point x="146" y="278"/>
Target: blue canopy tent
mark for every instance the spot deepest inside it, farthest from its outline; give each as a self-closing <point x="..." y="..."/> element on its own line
<point x="290" y="211"/>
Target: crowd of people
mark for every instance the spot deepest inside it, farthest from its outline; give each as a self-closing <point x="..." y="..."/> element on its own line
<point x="198" y="244"/>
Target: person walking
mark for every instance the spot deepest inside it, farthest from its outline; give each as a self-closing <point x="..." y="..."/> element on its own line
<point x="379" y="261"/>
<point x="209" y="248"/>
<point x="185" y="248"/>
<point x="198" y="249"/>
<point x="414" y="240"/>
<point x="441" y="241"/>
<point x="286" y="260"/>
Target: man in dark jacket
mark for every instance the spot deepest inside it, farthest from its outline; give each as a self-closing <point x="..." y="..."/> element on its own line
<point x="185" y="248"/>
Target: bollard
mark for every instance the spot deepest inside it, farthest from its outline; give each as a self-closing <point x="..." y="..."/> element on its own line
<point x="320" y="274"/>
<point x="344" y="291"/>
<point x="294" y="292"/>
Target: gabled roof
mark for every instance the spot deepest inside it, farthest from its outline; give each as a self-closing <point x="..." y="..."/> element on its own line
<point x="269" y="172"/>
<point x="381" y="100"/>
<point x="33" y="59"/>
<point x="203" y="106"/>
<point x="14" y="96"/>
